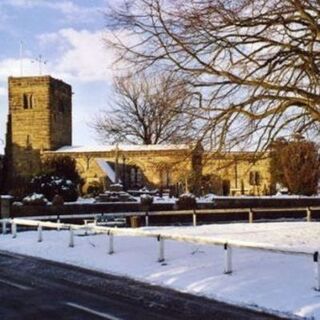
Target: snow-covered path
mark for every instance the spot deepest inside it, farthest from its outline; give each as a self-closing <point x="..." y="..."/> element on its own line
<point x="277" y="282"/>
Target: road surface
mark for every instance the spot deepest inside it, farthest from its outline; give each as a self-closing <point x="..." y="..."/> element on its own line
<point x="32" y="288"/>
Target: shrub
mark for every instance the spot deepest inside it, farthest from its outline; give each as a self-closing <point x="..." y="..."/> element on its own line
<point x="35" y="199"/>
<point x="62" y="166"/>
<point x="58" y="176"/>
<point x="51" y="185"/>
<point x="94" y="189"/>
<point x="20" y="187"/>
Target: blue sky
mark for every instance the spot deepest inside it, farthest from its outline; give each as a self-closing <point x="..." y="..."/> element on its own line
<point x="69" y="35"/>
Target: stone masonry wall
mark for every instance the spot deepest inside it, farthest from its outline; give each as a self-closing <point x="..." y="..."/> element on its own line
<point x="233" y="167"/>
<point x="36" y="121"/>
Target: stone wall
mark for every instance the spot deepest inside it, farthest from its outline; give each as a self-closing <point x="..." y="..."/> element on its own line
<point x="220" y="203"/>
<point x="162" y="167"/>
<point x="40" y="122"/>
<point x="245" y="172"/>
<point x="61" y="114"/>
<point x="172" y="167"/>
<point x="37" y="121"/>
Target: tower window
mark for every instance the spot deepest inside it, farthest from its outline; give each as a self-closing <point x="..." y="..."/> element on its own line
<point x="25" y="101"/>
<point x="28" y="101"/>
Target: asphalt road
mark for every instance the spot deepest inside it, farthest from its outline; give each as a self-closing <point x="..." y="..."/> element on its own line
<point x="34" y="289"/>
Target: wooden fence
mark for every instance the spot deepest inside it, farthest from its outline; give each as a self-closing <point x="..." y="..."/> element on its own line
<point x="252" y="214"/>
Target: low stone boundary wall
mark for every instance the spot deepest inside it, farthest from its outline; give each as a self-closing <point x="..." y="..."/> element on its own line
<point x="219" y="203"/>
<point x="266" y="202"/>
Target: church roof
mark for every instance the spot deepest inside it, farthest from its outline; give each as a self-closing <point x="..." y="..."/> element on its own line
<point x="106" y="148"/>
<point x="107" y="169"/>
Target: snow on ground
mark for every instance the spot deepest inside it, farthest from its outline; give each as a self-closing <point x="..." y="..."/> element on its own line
<point x="208" y="198"/>
<point x="84" y="201"/>
<point x="277" y="282"/>
<point x="122" y="147"/>
<point x="164" y="199"/>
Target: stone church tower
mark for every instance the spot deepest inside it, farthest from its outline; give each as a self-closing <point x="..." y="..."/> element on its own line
<point x="40" y="119"/>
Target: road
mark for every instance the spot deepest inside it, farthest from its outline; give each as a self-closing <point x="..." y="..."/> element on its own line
<point x="32" y="288"/>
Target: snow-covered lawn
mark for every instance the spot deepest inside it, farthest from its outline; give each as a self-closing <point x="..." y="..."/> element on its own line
<point x="277" y="282"/>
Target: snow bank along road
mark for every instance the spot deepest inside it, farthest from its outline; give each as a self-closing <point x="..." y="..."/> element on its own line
<point x="32" y="288"/>
<point x="280" y="283"/>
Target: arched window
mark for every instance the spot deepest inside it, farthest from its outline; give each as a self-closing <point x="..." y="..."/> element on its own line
<point x="28" y="101"/>
<point x="165" y="177"/>
<point x="31" y="101"/>
<point x="133" y="176"/>
<point x="139" y="177"/>
<point x="168" y="177"/>
<point x="25" y="101"/>
<point x="254" y="178"/>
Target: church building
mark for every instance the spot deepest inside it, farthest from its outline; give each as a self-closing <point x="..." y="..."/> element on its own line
<point x="39" y="126"/>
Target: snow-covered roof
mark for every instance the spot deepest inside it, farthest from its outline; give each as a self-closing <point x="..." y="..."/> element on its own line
<point x="106" y="168"/>
<point x="106" y="148"/>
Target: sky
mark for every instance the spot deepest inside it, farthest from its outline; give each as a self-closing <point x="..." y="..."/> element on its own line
<point x="68" y="35"/>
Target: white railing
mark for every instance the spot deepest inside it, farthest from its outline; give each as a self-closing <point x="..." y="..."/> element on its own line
<point x="227" y="245"/>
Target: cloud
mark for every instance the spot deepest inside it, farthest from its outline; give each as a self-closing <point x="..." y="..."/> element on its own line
<point x="83" y="55"/>
<point x="76" y="55"/>
<point x="21" y="3"/>
<point x="27" y="66"/>
<point x="70" y="10"/>
<point x="11" y="67"/>
<point x="79" y="58"/>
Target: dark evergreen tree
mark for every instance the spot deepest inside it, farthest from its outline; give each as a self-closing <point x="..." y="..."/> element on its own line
<point x="295" y="164"/>
<point x="59" y="175"/>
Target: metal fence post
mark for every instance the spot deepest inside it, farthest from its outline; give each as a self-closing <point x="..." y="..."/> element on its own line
<point x="85" y="227"/>
<point x="39" y="233"/>
<point x="71" y="238"/>
<point x="194" y="218"/>
<point x="146" y="218"/>
<point x="14" y="229"/>
<point x="58" y="224"/>
<point x="227" y="259"/>
<point x="4" y="226"/>
<point x="308" y="214"/>
<point x="250" y="216"/>
<point x="111" y="247"/>
<point x="161" y="248"/>
<point x="316" y="270"/>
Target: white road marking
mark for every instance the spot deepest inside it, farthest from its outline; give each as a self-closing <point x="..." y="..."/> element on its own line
<point x="16" y="285"/>
<point x="97" y="313"/>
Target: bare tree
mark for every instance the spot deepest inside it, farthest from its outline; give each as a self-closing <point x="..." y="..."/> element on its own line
<point x="146" y="110"/>
<point x="253" y="64"/>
